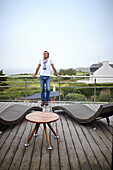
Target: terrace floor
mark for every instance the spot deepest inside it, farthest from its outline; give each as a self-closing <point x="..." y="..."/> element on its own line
<point x="79" y="146"/>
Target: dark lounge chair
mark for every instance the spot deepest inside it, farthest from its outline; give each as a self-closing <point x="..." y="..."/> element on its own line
<point x="83" y="114"/>
<point x="15" y="113"/>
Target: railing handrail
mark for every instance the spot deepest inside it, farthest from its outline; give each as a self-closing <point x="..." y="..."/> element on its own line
<point x="90" y="76"/>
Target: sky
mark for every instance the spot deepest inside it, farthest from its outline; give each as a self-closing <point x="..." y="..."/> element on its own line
<point x="77" y="33"/>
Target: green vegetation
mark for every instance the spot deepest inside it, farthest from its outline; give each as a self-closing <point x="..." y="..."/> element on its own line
<point x="70" y="89"/>
<point x="17" y="89"/>
<point x="68" y="72"/>
<point x="75" y="97"/>
<point x="2" y="80"/>
<point x="92" y="98"/>
<point x="105" y="95"/>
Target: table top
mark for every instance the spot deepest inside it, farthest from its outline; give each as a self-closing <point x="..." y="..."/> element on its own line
<point x="42" y="117"/>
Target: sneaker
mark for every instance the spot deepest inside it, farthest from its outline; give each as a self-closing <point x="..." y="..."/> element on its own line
<point x="42" y="104"/>
<point x="46" y="103"/>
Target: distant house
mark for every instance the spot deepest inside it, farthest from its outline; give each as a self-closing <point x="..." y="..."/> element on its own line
<point x="102" y="69"/>
<point x="95" y="67"/>
<point x="98" y="70"/>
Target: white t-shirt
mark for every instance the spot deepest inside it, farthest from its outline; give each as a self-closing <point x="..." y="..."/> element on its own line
<point x="48" y="68"/>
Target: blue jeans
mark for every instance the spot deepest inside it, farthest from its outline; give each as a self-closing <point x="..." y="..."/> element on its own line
<point x="45" y="80"/>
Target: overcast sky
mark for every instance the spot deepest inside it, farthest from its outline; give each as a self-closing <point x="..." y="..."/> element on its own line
<point x="77" y="33"/>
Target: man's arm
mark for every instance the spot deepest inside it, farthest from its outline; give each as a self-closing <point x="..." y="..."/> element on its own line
<point x="54" y="69"/>
<point x="37" y="70"/>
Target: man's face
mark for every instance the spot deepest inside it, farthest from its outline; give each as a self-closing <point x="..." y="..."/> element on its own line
<point x="45" y="55"/>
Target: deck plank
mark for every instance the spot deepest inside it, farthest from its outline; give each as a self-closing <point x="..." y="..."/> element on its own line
<point x="45" y="155"/>
<point x="28" y="150"/>
<point x="104" y="122"/>
<point x="64" y="163"/>
<point x="106" y="153"/>
<point x="54" y="162"/>
<point x="18" y="157"/>
<point x="86" y="147"/>
<point x="78" y="147"/>
<point x="36" y="155"/>
<point x="105" y="130"/>
<point x="106" y="136"/>
<point x="4" y="135"/>
<point x="96" y="150"/>
<point x="12" y="150"/>
<point x="8" y="143"/>
<point x="74" y="164"/>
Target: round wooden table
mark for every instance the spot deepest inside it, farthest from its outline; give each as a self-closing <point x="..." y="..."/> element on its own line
<point x="44" y="118"/>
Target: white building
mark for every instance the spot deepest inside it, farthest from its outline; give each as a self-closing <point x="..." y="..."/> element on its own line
<point x="105" y="70"/>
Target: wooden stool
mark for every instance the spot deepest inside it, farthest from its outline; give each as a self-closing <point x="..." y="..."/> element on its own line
<point x="44" y="118"/>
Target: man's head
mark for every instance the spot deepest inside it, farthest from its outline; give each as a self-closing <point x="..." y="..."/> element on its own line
<point x="46" y="54"/>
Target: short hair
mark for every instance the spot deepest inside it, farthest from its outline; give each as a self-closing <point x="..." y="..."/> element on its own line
<point x="47" y="52"/>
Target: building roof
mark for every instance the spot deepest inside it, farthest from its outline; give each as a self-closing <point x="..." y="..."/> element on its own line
<point x="99" y="65"/>
<point x="94" y="67"/>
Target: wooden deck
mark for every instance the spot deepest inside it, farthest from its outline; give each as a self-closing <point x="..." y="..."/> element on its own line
<point x="78" y="148"/>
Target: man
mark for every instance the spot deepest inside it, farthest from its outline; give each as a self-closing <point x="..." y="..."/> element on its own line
<point x="45" y="66"/>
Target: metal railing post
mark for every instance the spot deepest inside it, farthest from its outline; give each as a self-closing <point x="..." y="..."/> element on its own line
<point x="59" y="90"/>
<point x="26" y="89"/>
<point x="94" y="90"/>
<point x="112" y="150"/>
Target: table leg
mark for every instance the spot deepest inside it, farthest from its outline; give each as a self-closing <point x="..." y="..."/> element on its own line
<point x="27" y="144"/>
<point x="47" y="137"/>
<point x="53" y="130"/>
<point x="36" y="130"/>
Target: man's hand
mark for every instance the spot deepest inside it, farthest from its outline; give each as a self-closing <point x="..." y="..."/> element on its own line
<point x="59" y="76"/>
<point x="34" y="76"/>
